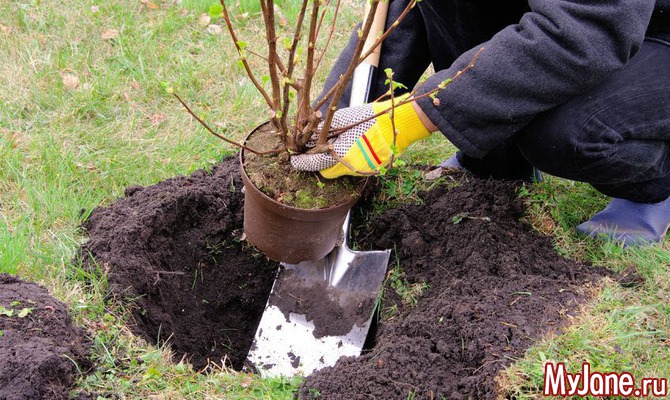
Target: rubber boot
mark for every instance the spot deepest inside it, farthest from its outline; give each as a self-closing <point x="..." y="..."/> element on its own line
<point x="630" y="223"/>
<point x="452" y="162"/>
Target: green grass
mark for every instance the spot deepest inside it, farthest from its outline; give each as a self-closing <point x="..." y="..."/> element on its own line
<point x="622" y="328"/>
<point x="67" y="148"/>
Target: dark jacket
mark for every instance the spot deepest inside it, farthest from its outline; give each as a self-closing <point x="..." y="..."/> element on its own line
<point x="561" y="48"/>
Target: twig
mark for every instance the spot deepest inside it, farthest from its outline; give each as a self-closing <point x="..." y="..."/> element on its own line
<point x="288" y="73"/>
<point x="330" y="33"/>
<point x="346" y="164"/>
<point x="361" y="58"/>
<point x="271" y="36"/>
<point x="304" y="105"/>
<point x="386" y="34"/>
<point x="344" y="78"/>
<point x="233" y="36"/>
<point x="225" y="139"/>
<point x="412" y="98"/>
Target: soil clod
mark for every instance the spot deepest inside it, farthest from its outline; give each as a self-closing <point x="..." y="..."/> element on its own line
<point x="490" y="285"/>
<point x="174" y="251"/>
<point x="493" y="286"/>
<point x="41" y="351"/>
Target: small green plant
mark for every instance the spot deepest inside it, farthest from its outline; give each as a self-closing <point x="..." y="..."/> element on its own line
<point x="6" y="312"/>
<point x="403" y="183"/>
<point x="409" y="293"/>
<point x="11" y="312"/>
<point x="458" y="218"/>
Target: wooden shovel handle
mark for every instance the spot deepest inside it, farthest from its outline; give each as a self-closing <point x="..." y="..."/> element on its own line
<point x="378" y="25"/>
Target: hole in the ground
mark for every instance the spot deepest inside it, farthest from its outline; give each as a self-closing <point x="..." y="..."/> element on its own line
<point x="174" y="249"/>
<point x="477" y="286"/>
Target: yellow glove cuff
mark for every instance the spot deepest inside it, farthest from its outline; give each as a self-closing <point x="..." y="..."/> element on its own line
<point x="408" y="126"/>
<point x="367" y="154"/>
<point x="373" y="149"/>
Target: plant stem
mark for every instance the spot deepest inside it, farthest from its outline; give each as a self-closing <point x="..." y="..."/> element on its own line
<point x="305" y="112"/>
<point x="344" y="78"/>
<point x="374" y="46"/>
<point x="330" y="33"/>
<point x="412" y="98"/>
<point x="243" y="58"/>
<point x="288" y="74"/>
<point x="271" y="36"/>
<point x="225" y="139"/>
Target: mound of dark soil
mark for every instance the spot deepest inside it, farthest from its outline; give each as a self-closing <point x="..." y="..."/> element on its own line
<point x="174" y="251"/>
<point x="494" y="286"/>
<point x="41" y="351"/>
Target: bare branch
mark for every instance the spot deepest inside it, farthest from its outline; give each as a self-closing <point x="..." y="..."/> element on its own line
<point x="271" y="36"/>
<point x="288" y="73"/>
<point x="330" y="33"/>
<point x="346" y="164"/>
<point x="411" y="98"/>
<point x="225" y="139"/>
<point x="344" y="78"/>
<point x="240" y="51"/>
<point x="304" y="104"/>
<point x="386" y="34"/>
<point x="371" y="50"/>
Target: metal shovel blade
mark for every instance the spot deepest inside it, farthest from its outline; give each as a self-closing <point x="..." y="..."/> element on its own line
<point x="318" y="311"/>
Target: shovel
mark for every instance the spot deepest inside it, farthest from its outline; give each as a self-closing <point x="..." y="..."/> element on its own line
<point x="319" y="311"/>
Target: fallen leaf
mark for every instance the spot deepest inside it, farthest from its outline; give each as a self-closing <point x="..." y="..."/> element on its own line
<point x="246" y="381"/>
<point x="157" y="118"/>
<point x="149" y="4"/>
<point x="71" y="81"/>
<point x="135" y="85"/>
<point x="183" y="12"/>
<point x="204" y="19"/>
<point x="5" y="29"/>
<point x="127" y="97"/>
<point x="110" y="34"/>
<point x="214" y="29"/>
<point x="434" y="174"/>
<point x="90" y="166"/>
<point x="547" y="225"/>
<point x="40" y="38"/>
<point x="14" y="138"/>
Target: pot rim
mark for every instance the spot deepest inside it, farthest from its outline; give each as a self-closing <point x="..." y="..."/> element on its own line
<point x="347" y="204"/>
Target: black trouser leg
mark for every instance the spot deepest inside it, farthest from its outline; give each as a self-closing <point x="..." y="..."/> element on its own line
<point x="615" y="137"/>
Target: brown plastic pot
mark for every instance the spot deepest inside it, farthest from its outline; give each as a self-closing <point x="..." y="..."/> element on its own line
<point x="289" y="234"/>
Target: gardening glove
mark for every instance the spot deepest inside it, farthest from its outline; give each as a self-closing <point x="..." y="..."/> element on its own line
<point x="366" y="147"/>
<point x="630" y="223"/>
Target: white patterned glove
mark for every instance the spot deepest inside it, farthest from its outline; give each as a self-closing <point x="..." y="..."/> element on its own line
<point x="365" y="147"/>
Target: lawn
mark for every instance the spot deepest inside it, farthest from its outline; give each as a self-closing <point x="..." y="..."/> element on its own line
<point x="84" y="113"/>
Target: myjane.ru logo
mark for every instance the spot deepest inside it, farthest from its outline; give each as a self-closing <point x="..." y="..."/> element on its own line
<point x="559" y="382"/>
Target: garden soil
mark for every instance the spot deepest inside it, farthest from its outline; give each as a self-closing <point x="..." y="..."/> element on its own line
<point x="491" y="285"/>
<point x="42" y="352"/>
